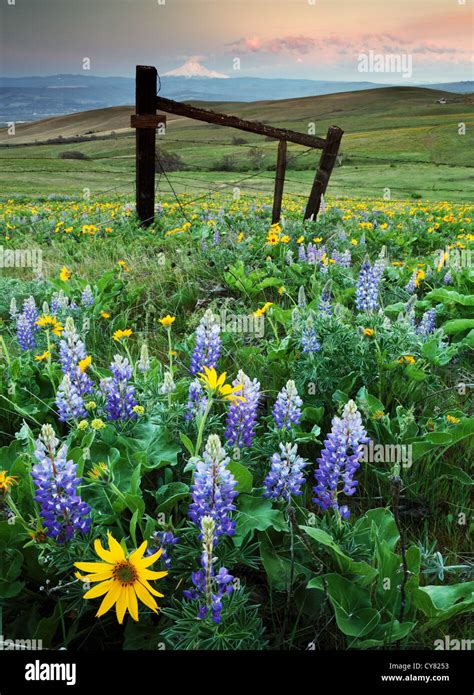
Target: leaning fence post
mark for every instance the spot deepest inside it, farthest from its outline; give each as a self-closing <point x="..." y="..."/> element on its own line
<point x="145" y="104"/>
<point x="326" y="164"/>
<point x="279" y="181"/>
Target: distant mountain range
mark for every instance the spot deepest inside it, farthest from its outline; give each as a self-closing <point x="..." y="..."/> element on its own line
<point x="25" y="99"/>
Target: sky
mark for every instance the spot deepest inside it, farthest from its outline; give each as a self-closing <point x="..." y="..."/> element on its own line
<point x="310" y="39"/>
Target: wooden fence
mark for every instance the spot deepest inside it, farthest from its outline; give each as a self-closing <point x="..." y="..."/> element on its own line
<point x="146" y="121"/>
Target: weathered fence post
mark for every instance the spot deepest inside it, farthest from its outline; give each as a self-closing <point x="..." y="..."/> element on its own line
<point x="145" y="104"/>
<point x="279" y="181"/>
<point x="326" y="164"/>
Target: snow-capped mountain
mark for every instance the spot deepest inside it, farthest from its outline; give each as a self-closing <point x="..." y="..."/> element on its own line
<point x="193" y="68"/>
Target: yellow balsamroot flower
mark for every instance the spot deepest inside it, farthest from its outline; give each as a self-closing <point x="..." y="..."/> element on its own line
<point x="368" y="332"/>
<point x="453" y="420"/>
<point x="216" y="384"/>
<point x="285" y="239"/>
<point x="118" y="335"/>
<point x="354" y="242"/>
<point x="105" y="315"/>
<point x="86" y="362"/>
<point x="300" y="240"/>
<point x="123" y="265"/>
<point x="122" y="578"/>
<point x="45" y="356"/>
<point x="7" y="481"/>
<point x="240" y="236"/>
<point x="98" y="470"/>
<point x="317" y="239"/>
<point x="420" y="275"/>
<point x="65" y="274"/>
<point x="272" y="238"/>
<point x="97" y="424"/>
<point x="409" y="359"/>
<point x="281" y="291"/>
<point x="167" y="320"/>
<point x="47" y="321"/>
<point x="263" y="310"/>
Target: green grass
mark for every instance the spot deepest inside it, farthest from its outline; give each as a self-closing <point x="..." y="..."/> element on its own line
<point x="397" y="138"/>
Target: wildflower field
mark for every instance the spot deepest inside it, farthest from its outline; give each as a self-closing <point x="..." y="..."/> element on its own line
<point x="222" y="434"/>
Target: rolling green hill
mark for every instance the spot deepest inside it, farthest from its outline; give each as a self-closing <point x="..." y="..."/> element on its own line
<point x="398" y="138"/>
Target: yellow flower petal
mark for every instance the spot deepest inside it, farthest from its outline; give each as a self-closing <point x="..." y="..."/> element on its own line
<point x="122" y="604"/>
<point x="149" y="574"/>
<point x="115" y="548"/>
<point x="132" y="602"/>
<point x="147" y="561"/>
<point x="92" y="566"/>
<point x="138" y="553"/>
<point x="109" y="600"/>
<point x="149" y="588"/>
<point x="145" y="597"/>
<point x="102" y="552"/>
<point x="99" y="590"/>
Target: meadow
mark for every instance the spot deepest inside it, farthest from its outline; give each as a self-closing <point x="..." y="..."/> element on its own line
<point x="222" y="434"/>
<point x="399" y="139"/>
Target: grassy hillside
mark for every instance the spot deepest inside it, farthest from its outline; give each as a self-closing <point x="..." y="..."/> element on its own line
<point x="397" y="138"/>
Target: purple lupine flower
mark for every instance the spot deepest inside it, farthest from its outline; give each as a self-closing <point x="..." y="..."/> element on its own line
<point x="301" y="253"/>
<point x="26" y="325"/>
<point x="197" y="401"/>
<point x="410" y="287"/>
<point x="287" y="408"/>
<point x="209" y="588"/>
<point x="69" y="401"/>
<point x="208" y="344"/>
<point x="119" y="394"/>
<point x="325" y="304"/>
<point x="55" y="478"/>
<point x="368" y="286"/>
<point x="71" y="351"/>
<point x="59" y="302"/>
<point x="286" y="474"/>
<point x="164" y="540"/>
<point x="242" y="415"/>
<point x="340" y="459"/>
<point x="427" y="323"/>
<point x="448" y="278"/>
<point x="309" y="340"/>
<point x="87" y="298"/>
<point x="213" y="490"/>
<point x="346" y="259"/>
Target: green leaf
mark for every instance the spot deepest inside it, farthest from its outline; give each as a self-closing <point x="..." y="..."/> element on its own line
<point x="442" y="602"/>
<point x="376" y="523"/>
<point x="168" y="495"/>
<point x="450" y="297"/>
<point x="355" y="616"/>
<point x="187" y="443"/>
<point x="133" y="527"/>
<point x="256" y="514"/>
<point x="242" y="475"/>
<point x="278" y="567"/>
<point x="457" y="326"/>
<point x="343" y="562"/>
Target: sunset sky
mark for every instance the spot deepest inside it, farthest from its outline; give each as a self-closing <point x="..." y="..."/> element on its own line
<point x="272" y="38"/>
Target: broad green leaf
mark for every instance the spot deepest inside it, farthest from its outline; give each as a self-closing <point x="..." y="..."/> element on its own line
<point x="256" y="514"/>
<point x="242" y="475"/>
<point x="342" y="561"/>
